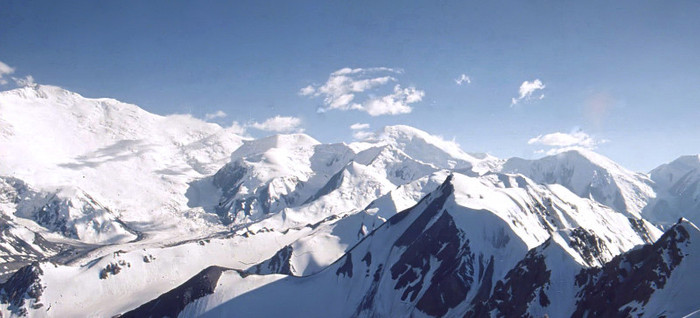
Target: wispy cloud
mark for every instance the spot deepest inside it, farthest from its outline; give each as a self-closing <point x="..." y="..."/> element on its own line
<point x="279" y="124"/>
<point x="344" y="86"/>
<point x="359" y="126"/>
<point x="363" y="135"/>
<point x="526" y="91"/>
<point x="217" y="114"/>
<point x="360" y="132"/>
<point x="5" y="70"/>
<point x="27" y="81"/>
<point x="282" y="124"/>
<point x="559" y="141"/>
<point x="463" y="79"/>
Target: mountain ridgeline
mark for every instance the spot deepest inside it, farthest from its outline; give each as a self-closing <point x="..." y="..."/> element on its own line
<point x="108" y="210"/>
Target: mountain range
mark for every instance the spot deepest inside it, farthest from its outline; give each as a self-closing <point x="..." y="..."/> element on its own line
<point x="108" y="210"/>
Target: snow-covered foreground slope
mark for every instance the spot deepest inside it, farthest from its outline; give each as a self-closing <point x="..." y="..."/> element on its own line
<point x="440" y="257"/>
<point x="113" y="280"/>
<point x="654" y="280"/>
<point x="660" y="279"/>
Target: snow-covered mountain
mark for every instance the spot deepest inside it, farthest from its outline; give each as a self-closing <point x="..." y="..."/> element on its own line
<point x="589" y="175"/>
<point x="132" y="163"/>
<point x="106" y="209"/>
<point x="677" y="185"/>
<point x="427" y="148"/>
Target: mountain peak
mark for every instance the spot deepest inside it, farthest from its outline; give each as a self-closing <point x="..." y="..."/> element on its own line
<point x="589" y="174"/>
<point x="51" y="92"/>
<point x="403" y="130"/>
<point x="282" y="141"/>
<point x="677" y="186"/>
<point x="588" y="155"/>
<point x="425" y="147"/>
<point x="688" y="159"/>
<point x="402" y="134"/>
<point x="676" y="168"/>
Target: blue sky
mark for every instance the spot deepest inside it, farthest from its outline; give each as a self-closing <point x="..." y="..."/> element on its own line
<point x="622" y="77"/>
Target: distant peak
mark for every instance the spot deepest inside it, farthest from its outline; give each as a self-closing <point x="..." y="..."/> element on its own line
<point x="572" y="155"/>
<point x="578" y="154"/>
<point x="51" y="92"/>
<point x="39" y="91"/>
<point x="403" y="129"/>
<point x="582" y="152"/>
<point x="283" y="141"/>
<point x="688" y="161"/>
<point x="297" y="139"/>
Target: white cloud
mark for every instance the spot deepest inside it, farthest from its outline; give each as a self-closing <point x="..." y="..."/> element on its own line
<point x="27" y="81"/>
<point x="363" y="135"/>
<point x="280" y="124"/>
<point x="359" y="126"/>
<point x="5" y="70"/>
<point x="526" y="90"/>
<point x="306" y="91"/>
<point x="217" y="114"/>
<point x="559" y="141"/>
<point x="463" y="79"/>
<point x="392" y="104"/>
<point x="344" y="85"/>
<point x="237" y="128"/>
<point x="360" y="133"/>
